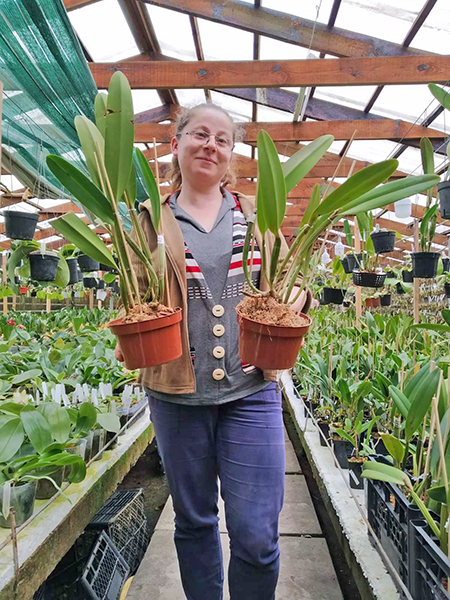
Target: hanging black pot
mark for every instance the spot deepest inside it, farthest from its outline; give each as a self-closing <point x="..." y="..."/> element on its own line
<point x="383" y="241"/>
<point x="322" y="301"/>
<point x="447" y="290"/>
<point x="444" y="199"/>
<point x="107" y="268"/>
<point x="351" y="262"/>
<point x="390" y="275"/>
<point x="445" y="265"/>
<point x="114" y="287"/>
<point x="399" y="289"/>
<point x="342" y="450"/>
<point x="333" y="295"/>
<point x="345" y="264"/>
<point x="407" y="276"/>
<point x="100" y="284"/>
<point x="43" y="266"/>
<point x="385" y="300"/>
<point x="20" y="225"/>
<point x="364" y="279"/>
<point x="73" y="268"/>
<point x="87" y="264"/>
<point x="90" y="282"/>
<point x="425" y="264"/>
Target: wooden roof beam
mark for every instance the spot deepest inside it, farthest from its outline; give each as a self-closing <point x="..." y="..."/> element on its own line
<point x="286" y="27"/>
<point x="308" y="131"/>
<point x="270" y="73"/>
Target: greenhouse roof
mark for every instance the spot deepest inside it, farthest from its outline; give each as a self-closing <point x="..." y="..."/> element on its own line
<point x="169" y="31"/>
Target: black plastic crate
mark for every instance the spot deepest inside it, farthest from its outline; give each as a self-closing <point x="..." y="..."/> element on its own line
<point x="429" y="567"/>
<point x="389" y="513"/>
<point x="106" y="571"/>
<point x="123" y="518"/>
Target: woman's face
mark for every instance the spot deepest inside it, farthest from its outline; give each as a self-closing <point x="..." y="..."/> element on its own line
<point x="203" y="161"/>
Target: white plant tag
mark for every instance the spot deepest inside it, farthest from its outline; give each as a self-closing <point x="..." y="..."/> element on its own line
<point x="44" y="389"/>
<point x="101" y="295"/>
<point x="6" y="500"/>
<point x="66" y="400"/>
<point x="86" y="391"/>
<point x="113" y="407"/>
<point x="94" y="397"/>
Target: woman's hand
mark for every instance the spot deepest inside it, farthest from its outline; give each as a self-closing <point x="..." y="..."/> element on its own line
<point x="118" y="353"/>
<point x="298" y="305"/>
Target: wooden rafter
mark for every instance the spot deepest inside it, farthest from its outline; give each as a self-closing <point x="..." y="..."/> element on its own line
<point x="144" y="35"/>
<point x="198" y="48"/>
<point x="286" y="28"/>
<point x="391" y="70"/>
<point x="307" y="131"/>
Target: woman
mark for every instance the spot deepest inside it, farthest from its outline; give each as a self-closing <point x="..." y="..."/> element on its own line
<point x="215" y="417"/>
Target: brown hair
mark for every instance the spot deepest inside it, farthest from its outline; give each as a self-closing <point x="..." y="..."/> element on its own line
<point x="183" y="118"/>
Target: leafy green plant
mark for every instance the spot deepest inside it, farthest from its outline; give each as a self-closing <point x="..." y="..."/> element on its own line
<point x="360" y="193"/>
<point x="109" y="194"/>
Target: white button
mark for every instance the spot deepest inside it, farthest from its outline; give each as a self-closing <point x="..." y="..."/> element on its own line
<point x="218" y="330"/>
<point x="218" y="374"/>
<point x="218" y="310"/>
<point x="219" y="352"/>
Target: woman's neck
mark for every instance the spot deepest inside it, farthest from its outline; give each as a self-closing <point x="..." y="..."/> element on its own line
<point x="206" y="198"/>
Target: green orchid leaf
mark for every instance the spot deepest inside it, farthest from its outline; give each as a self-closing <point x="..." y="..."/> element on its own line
<point x="442" y="95"/>
<point x="438" y="494"/>
<point x="11" y="438"/>
<point x="73" y="228"/>
<point x="26" y="376"/>
<point x="356" y="186"/>
<point x="394" y="446"/>
<point x="344" y="435"/>
<point x="109" y="421"/>
<point x="382" y="472"/>
<point x="401" y="401"/>
<point x="80" y="186"/>
<point x="119" y="133"/>
<point x="313" y="203"/>
<point x="421" y="399"/>
<point x="304" y="160"/>
<point x="100" y="107"/>
<point x="271" y="192"/>
<point x="390" y="192"/>
<point x="58" y="420"/>
<point x="37" y="428"/>
<point x="20" y="253"/>
<point x="151" y="187"/>
<point x="93" y="146"/>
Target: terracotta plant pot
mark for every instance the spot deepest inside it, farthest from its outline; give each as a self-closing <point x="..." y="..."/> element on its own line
<point x="149" y="343"/>
<point x="270" y="346"/>
<point x="368" y="302"/>
<point x="23" y="290"/>
<point x="376" y="302"/>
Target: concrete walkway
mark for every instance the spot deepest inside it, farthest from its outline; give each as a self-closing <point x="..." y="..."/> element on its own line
<point x="306" y="573"/>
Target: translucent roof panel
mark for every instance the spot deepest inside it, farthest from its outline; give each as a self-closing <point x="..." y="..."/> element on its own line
<point x="221" y="42"/>
<point x="175" y="41"/>
<point x="410" y="102"/>
<point x="434" y="35"/>
<point x="240" y="110"/>
<point x="270" y="49"/>
<point x="272" y="115"/>
<point x="307" y="9"/>
<point x="106" y="40"/>
<point x="383" y="19"/>
<point x="144" y="100"/>
<point x="190" y="98"/>
<point x="371" y="150"/>
<point x="353" y="96"/>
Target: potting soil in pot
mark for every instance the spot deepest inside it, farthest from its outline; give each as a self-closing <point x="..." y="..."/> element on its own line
<point x="265" y="309"/>
<point x="144" y="312"/>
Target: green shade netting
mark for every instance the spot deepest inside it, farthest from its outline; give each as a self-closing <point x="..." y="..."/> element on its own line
<point x="47" y="83"/>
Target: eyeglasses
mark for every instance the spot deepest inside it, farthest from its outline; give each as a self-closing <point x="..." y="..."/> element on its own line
<point x="201" y="137"/>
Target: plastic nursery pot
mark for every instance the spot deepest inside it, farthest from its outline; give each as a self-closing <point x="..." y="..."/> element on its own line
<point x="23" y="290"/>
<point x="383" y="241"/>
<point x="368" y="302"/>
<point x="75" y="447"/>
<point x="447" y="290"/>
<point x="385" y="300"/>
<point x="270" y="346"/>
<point x="345" y="264"/>
<point x="351" y="261"/>
<point x="20" y="225"/>
<point x="355" y="470"/>
<point x="149" y="343"/>
<point x="333" y="295"/>
<point x="399" y="289"/>
<point x="98" y="441"/>
<point x="72" y="263"/>
<point x="43" y="266"/>
<point x="87" y="264"/>
<point x="376" y="302"/>
<point x="45" y="488"/>
<point x="365" y="279"/>
<point x="424" y="264"/>
<point x="325" y="429"/>
<point x="407" y="276"/>
<point x="22" y="500"/>
<point x="444" y="199"/>
<point x="445" y="265"/>
<point x="90" y="282"/>
<point x="107" y="268"/>
<point x="343" y="450"/>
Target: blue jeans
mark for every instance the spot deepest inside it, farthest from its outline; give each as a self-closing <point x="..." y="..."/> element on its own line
<point x="242" y="443"/>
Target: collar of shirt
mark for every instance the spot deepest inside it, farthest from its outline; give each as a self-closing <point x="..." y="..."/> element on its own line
<point x="227" y="205"/>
